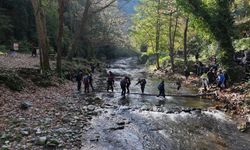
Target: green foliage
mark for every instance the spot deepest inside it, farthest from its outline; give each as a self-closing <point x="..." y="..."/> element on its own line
<point x="25" y="46"/>
<point x="110" y="52"/>
<point x="242" y="44"/>
<point x="12" y="80"/>
<point x="5" y="25"/>
<point x="217" y="17"/>
<point x="236" y="73"/>
<point x="3" y="48"/>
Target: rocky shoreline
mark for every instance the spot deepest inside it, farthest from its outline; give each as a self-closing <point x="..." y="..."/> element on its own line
<point x="234" y="100"/>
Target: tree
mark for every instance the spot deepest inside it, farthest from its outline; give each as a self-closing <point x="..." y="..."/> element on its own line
<point x="185" y="40"/>
<point x="61" y="4"/>
<point x="88" y="12"/>
<point x="150" y="28"/>
<point x="217" y="16"/>
<point x="158" y="29"/>
<point x="39" y="14"/>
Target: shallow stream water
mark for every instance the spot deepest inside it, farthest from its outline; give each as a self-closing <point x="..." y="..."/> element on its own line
<point x="139" y="122"/>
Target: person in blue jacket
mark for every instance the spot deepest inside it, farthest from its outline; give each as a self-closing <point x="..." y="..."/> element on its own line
<point x="221" y="79"/>
<point x="161" y="88"/>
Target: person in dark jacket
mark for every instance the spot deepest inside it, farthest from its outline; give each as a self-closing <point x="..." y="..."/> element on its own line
<point x="123" y="85"/>
<point x="211" y="77"/>
<point x="226" y="81"/>
<point x="186" y="72"/>
<point x="90" y="79"/>
<point x="86" y="84"/>
<point x="142" y="82"/>
<point x="161" y="88"/>
<point x="178" y="83"/>
<point x="128" y="83"/>
<point x="79" y="77"/>
<point x="110" y="81"/>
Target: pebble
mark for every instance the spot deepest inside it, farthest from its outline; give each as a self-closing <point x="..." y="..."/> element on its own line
<point x="41" y="140"/>
<point x="25" y="105"/>
<point x="24" y="132"/>
<point x="91" y="108"/>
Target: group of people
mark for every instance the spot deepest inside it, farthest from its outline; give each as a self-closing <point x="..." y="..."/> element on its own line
<point x="124" y="84"/>
<point x="86" y="80"/>
<point x="212" y="77"/>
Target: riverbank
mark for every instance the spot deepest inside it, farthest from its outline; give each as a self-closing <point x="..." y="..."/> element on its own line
<point x="234" y="100"/>
<point x="41" y="111"/>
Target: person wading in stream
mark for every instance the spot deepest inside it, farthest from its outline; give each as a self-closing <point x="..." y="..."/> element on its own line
<point x="142" y="82"/>
<point x="86" y="84"/>
<point x="186" y="73"/>
<point x="128" y="83"/>
<point x="178" y="83"/>
<point x="79" y="77"/>
<point x="123" y="85"/>
<point x="161" y="88"/>
<point x="90" y="79"/>
<point x="110" y="81"/>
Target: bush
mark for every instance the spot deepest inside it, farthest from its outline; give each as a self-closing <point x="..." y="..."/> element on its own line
<point x="236" y="73"/>
<point x="25" y="46"/>
<point x="3" y="48"/>
<point x="12" y="81"/>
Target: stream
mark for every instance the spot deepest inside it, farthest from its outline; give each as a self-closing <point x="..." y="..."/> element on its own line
<point x="140" y="122"/>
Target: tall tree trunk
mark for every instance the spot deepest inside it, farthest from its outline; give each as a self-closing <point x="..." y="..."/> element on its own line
<point x="185" y="40"/>
<point x="157" y="39"/>
<point x="171" y="49"/>
<point x="61" y="4"/>
<point x="42" y="34"/>
<point x="78" y="34"/>
<point x="172" y="39"/>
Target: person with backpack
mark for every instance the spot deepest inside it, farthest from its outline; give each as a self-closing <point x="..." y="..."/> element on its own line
<point x="128" y="83"/>
<point x="227" y="79"/>
<point x="123" y="85"/>
<point x="186" y="72"/>
<point x="90" y="79"/>
<point x="204" y="81"/>
<point x="178" y="83"/>
<point x="110" y="81"/>
<point x="221" y="80"/>
<point x="79" y="77"/>
<point x="86" y="84"/>
<point x="142" y="83"/>
<point x="161" y="88"/>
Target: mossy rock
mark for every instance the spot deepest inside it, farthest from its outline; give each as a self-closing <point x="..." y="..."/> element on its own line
<point x="12" y="81"/>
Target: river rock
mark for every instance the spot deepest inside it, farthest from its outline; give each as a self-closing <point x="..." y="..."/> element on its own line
<point x="91" y="108"/>
<point x="25" y="105"/>
<point x="117" y="127"/>
<point x="196" y="111"/>
<point x="145" y="108"/>
<point x="24" y="132"/>
<point x="242" y="126"/>
<point x="187" y="110"/>
<point x="41" y="140"/>
<point x="120" y="122"/>
<point x="52" y="143"/>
